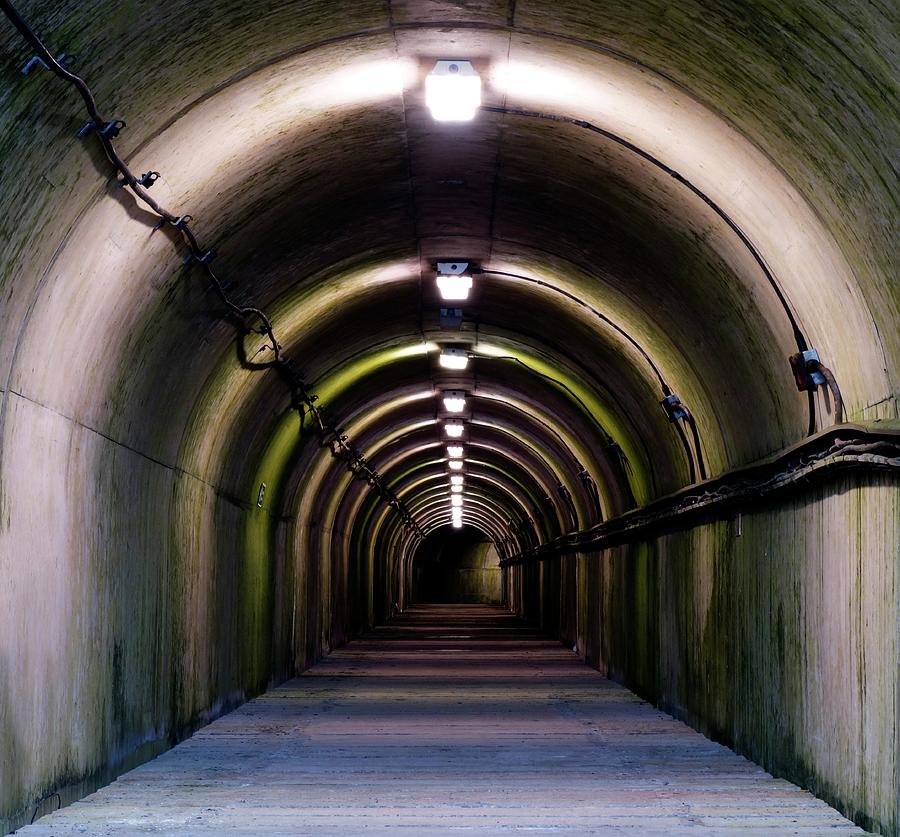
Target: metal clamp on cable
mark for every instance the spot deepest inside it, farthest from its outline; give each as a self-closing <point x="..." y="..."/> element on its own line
<point x="179" y="223"/>
<point x="203" y="258"/>
<point x="147" y="179"/>
<point x="36" y="62"/>
<point x="673" y="407"/>
<point x="108" y="131"/>
<point x="804" y="366"/>
<point x="333" y="436"/>
<point x="810" y="373"/>
<point x="675" y="410"/>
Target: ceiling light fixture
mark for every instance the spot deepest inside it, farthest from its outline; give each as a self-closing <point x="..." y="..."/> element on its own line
<point x="454" y="358"/>
<point x="456" y="489"/>
<point x="452" y="281"/>
<point x="457" y="523"/>
<point x="453" y="91"/>
<point x="454" y="429"/>
<point x="455" y="464"/>
<point x="456" y="501"/>
<point x="454" y="451"/>
<point x="454" y="401"/>
<point x="454" y="287"/>
<point x="456" y="479"/>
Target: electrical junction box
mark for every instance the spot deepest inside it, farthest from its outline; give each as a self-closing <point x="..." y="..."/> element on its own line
<point x="806" y="378"/>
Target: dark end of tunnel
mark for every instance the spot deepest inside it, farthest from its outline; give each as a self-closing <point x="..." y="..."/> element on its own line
<point x="457" y="566"/>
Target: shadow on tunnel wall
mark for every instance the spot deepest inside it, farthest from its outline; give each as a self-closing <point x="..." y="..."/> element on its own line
<point x="457" y="567"/>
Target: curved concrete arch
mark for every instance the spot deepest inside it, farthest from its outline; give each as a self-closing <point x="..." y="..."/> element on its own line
<point x="506" y="454"/>
<point x="400" y="432"/>
<point x="515" y="509"/>
<point x="496" y="478"/>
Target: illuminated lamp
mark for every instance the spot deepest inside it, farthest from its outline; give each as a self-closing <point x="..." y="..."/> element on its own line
<point x="454" y="288"/>
<point x="453" y="91"/>
<point x="454" y="428"/>
<point x="454" y="401"/>
<point x="452" y="281"/>
<point x="454" y="359"/>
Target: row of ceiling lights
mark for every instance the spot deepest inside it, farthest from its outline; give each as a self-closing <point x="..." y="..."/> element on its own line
<point x="454" y="284"/>
<point x="453" y="94"/>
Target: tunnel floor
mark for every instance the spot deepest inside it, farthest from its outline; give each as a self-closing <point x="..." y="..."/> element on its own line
<point x="453" y="718"/>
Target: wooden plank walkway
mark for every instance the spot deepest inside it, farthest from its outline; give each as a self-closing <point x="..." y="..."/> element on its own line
<point x="453" y="719"/>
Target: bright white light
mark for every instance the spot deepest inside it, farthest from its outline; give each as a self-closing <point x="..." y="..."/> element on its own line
<point x="454" y="451"/>
<point x="454" y="401"/>
<point x="457" y="523"/>
<point x="454" y="287"/>
<point x="454" y="359"/>
<point x="453" y="91"/>
<point x="455" y="464"/>
<point x="454" y="429"/>
<point x="456" y="479"/>
<point x="456" y="489"/>
<point x="456" y="501"/>
<point x="370" y="81"/>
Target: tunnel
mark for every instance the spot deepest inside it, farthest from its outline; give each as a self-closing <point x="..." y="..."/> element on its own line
<point x="490" y="340"/>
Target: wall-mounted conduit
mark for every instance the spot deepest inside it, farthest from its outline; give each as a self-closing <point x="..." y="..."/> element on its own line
<point x="303" y="400"/>
<point x="799" y="338"/>
<point x="697" y="455"/>
<point x="843" y="448"/>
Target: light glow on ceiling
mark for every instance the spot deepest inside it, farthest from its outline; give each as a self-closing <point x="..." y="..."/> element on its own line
<point x="363" y="81"/>
<point x="548" y="82"/>
<point x="490" y="350"/>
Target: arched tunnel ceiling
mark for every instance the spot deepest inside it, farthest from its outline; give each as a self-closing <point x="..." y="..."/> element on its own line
<point x="297" y="138"/>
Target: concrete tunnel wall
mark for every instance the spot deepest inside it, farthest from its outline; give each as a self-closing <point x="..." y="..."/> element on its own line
<point x="143" y="589"/>
<point x="774" y="632"/>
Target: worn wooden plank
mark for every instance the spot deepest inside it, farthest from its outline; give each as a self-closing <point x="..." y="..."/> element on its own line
<point x="453" y="718"/>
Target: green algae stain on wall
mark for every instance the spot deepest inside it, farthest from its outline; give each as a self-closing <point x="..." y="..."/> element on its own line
<point x="256" y="569"/>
